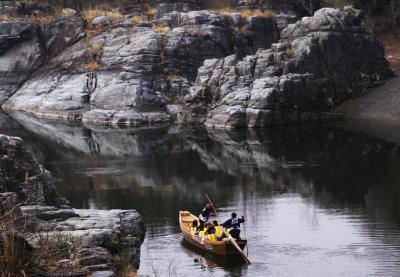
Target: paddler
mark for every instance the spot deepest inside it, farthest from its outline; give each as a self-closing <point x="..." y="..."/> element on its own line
<point x="201" y="229"/>
<point x="194" y="227"/>
<point x="233" y="225"/>
<point x="210" y="233"/>
<point x="206" y="213"/>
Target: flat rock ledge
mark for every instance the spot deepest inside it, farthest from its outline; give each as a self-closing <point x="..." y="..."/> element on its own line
<point x="124" y="118"/>
<point x="104" y="236"/>
<point x="85" y="241"/>
<point x="115" y="118"/>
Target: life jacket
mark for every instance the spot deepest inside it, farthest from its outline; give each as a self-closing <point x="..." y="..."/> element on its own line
<point x="218" y="231"/>
<point x="211" y="236"/>
<point x="203" y="232"/>
<point x="193" y="229"/>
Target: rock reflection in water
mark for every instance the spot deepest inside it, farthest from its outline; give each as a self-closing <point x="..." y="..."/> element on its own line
<point x="317" y="201"/>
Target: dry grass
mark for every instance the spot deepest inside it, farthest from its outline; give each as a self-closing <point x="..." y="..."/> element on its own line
<point x="228" y="6"/>
<point x="115" y="16"/>
<point x="92" y="32"/>
<point x="95" y="49"/>
<point x="52" y="248"/>
<point x="14" y="261"/>
<point x="258" y="12"/>
<point x="127" y="272"/>
<point x="172" y="77"/>
<point x="92" y="65"/>
<point x="151" y="11"/>
<point x="43" y="19"/>
<point x="10" y="264"/>
<point x="289" y="52"/>
<point x="68" y="12"/>
<point x="136" y="19"/>
<point x="246" y="12"/>
<point x="161" y="29"/>
<point x="217" y="4"/>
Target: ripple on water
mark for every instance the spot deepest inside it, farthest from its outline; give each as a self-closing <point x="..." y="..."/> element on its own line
<point x="318" y="203"/>
<point x="292" y="237"/>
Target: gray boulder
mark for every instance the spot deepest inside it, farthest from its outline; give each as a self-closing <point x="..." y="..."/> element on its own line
<point x="136" y="72"/>
<point x="165" y="7"/>
<point x="101" y="21"/>
<point x="102" y="234"/>
<point x="20" y="173"/>
<point x="25" y="46"/>
<point x="8" y="7"/>
<point x="44" y="218"/>
<point x="21" y="52"/>
<point x="320" y="62"/>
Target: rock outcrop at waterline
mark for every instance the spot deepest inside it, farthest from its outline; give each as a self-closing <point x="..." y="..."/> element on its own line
<point x="20" y="173"/>
<point x="25" y="46"/>
<point x="140" y="68"/>
<point x="97" y="239"/>
<point x="319" y="62"/>
<point x="139" y="72"/>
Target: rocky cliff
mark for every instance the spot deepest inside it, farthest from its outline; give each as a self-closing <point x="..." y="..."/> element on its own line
<point x="25" y="46"/>
<point x="91" y="241"/>
<point x="142" y="69"/>
<point x="319" y="62"/>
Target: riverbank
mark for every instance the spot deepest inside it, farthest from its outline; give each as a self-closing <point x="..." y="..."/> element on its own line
<point x="381" y="105"/>
<point x="238" y="67"/>
<point x="52" y="238"/>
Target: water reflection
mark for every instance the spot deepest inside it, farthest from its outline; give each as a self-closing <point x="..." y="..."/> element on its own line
<point x="318" y="201"/>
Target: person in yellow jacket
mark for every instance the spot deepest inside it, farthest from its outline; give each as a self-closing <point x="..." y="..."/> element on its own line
<point x="210" y="232"/>
<point x="202" y="229"/>
<point x="218" y="229"/>
<point x="194" y="227"/>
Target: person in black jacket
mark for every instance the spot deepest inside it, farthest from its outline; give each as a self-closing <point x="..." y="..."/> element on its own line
<point x="206" y="213"/>
<point x="233" y="225"/>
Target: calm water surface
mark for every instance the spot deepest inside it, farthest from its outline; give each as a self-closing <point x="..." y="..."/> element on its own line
<point x="319" y="202"/>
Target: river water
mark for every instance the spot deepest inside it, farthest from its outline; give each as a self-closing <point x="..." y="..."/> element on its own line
<point x="317" y="202"/>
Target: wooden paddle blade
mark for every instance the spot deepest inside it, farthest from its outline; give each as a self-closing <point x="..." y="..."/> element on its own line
<point x="246" y="259"/>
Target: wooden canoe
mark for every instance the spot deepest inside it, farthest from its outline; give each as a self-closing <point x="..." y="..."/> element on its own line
<point x="221" y="248"/>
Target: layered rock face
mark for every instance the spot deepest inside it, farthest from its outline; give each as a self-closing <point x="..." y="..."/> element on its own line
<point x="20" y="173"/>
<point x="25" y="46"/>
<point x="141" y="67"/>
<point x="102" y="235"/>
<point x="319" y="62"/>
<point x="141" y="71"/>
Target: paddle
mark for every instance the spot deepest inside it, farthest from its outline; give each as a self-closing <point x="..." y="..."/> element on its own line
<point x="215" y="211"/>
<point x="247" y="260"/>
<point x="244" y="234"/>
